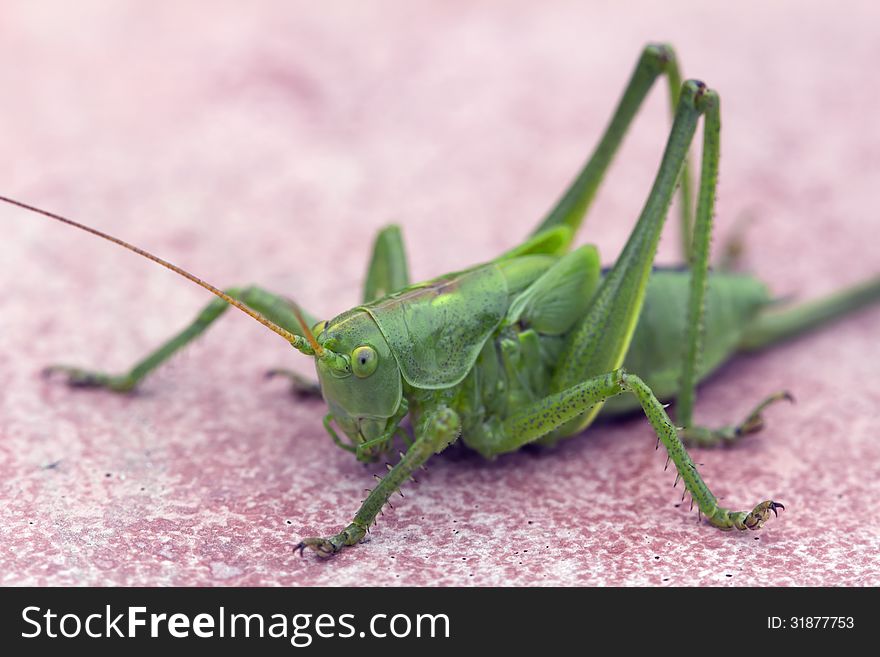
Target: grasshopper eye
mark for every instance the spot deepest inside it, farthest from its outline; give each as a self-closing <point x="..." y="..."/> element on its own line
<point x="318" y="328"/>
<point x="364" y="361"/>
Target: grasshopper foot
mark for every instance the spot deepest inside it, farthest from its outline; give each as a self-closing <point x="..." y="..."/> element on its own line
<point x="80" y="378"/>
<point x="761" y="514"/>
<point x="321" y="546"/>
<point x="327" y="547"/>
<point x="754" y="519"/>
<point x="754" y="422"/>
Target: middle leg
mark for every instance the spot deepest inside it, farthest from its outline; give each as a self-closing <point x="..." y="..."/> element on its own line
<point x="388" y="271"/>
<point x="554" y="411"/>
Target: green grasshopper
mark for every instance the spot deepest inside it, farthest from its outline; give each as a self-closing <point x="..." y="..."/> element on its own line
<point x="530" y="347"/>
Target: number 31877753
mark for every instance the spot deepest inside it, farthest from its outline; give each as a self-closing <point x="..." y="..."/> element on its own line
<point x="810" y="622"/>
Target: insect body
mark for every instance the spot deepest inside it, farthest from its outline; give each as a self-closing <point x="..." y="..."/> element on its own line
<point x="531" y="346"/>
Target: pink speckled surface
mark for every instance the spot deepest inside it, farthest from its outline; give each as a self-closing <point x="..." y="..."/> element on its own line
<point x="222" y="138"/>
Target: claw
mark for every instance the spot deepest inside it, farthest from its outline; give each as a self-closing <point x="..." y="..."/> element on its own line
<point x="76" y="377"/>
<point x="761" y="513"/>
<point x="321" y="546"/>
<point x="73" y="376"/>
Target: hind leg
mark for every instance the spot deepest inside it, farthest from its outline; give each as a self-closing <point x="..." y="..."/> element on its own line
<point x="699" y="271"/>
<point x="776" y="325"/>
<point x="600" y="341"/>
<point x="656" y="60"/>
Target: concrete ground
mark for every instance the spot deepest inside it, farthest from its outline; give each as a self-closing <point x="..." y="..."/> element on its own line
<point x="268" y="145"/>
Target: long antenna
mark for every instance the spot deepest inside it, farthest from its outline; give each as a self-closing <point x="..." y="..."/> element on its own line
<point x="287" y="335"/>
<point x="297" y="311"/>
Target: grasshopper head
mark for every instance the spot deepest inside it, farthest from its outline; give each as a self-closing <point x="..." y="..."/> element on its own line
<point x="360" y="380"/>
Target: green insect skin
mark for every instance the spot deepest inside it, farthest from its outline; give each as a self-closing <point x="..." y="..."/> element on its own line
<point x="532" y="346"/>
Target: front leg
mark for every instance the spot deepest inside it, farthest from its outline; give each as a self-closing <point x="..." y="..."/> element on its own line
<point x="273" y="306"/>
<point x="371" y="450"/>
<point x="436" y="430"/>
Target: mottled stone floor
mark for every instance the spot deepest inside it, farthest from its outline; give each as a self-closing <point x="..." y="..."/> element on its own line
<point x="269" y="145"/>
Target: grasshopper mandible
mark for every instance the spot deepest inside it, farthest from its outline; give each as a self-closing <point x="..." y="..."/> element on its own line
<point x="531" y="346"/>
